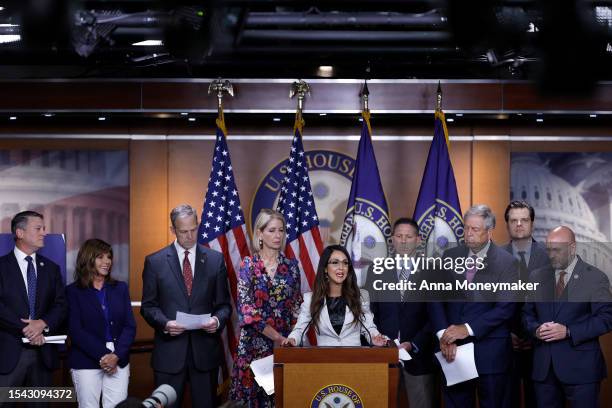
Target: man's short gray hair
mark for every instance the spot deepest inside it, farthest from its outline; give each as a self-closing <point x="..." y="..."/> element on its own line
<point x="182" y="211"/>
<point x="482" y="210"/>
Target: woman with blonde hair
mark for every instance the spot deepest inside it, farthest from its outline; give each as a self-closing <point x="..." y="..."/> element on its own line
<point x="269" y="298"/>
<point x="101" y="328"/>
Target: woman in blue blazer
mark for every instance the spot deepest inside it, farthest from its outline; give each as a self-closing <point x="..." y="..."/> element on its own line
<point x="101" y="327"/>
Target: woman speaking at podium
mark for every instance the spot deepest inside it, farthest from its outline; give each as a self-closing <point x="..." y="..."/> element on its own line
<point x="337" y="309"/>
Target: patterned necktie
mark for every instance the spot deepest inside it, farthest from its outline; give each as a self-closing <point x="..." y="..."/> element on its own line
<point x="523" y="267"/>
<point x="187" y="273"/>
<point x="404" y="276"/>
<point x="471" y="272"/>
<point x="31" y="275"/>
<point x="560" y="284"/>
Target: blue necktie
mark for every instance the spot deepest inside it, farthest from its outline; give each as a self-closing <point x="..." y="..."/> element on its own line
<point x="31" y="286"/>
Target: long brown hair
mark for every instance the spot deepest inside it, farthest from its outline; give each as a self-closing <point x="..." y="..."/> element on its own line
<point x="85" y="270"/>
<point x="350" y="289"/>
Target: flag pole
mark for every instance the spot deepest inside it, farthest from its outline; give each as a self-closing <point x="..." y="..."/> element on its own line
<point x="439" y="98"/>
<point x="299" y="88"/>
<point x="220" y="88"/>
<point x="364" y="94"/>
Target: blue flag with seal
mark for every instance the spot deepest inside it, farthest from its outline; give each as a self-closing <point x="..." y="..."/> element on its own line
<point x="366" y="230"/>
<point x="437" y="210"/>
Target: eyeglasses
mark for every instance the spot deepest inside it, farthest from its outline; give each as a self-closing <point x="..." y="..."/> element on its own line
<point x="336" y="263"/>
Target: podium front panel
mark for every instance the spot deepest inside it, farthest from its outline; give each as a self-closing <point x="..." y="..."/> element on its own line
<point x="312" y="385"/>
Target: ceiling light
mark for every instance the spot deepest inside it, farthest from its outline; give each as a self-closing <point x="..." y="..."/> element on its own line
<point x="48" y="115"/>
<point x="592" y="115"/>
<point x="184" y="113"/>
<point x="1" y="8"/>
<point x="459" y="114"/>
<point x="149" y="43"/>
<point x="326" y="71"/>
<point x="9" y="38"/>
<point x="322" y="114"/>
<point x="192" y="119"/>
<point x="450" y="119"/>
<point x="101" y="118"/>
<point x="13" y="118"/>
<point x="540" y="120"/>
<point x="276" y="119"/>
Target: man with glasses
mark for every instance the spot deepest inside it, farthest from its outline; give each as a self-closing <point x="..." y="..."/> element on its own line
<point x="565" y="318"/>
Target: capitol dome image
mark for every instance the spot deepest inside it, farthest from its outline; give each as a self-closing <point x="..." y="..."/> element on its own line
<point x="82" y="194"/>
<point x="557" y="202"/>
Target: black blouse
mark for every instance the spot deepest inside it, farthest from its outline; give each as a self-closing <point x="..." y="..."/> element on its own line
<point x="336" y="308"/>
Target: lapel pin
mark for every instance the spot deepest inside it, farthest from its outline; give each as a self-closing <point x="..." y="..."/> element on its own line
<point x="41" y="264"/>
<point x="576" y="276"/>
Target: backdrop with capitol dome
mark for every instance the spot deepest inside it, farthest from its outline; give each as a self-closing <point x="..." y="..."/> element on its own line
<point x="164" y="173"/>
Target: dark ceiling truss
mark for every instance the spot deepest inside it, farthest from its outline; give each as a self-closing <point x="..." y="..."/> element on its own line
<point x="511" y="39"/>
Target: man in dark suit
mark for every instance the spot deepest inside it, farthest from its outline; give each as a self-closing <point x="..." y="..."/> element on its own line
<point x="186" y="277"/>
<point x="530" y="255"/>
<point x="32" y="305"/>
<point x="400" y="315"/>
<point x="480" y="317"/>
<point x="566" y="316"/>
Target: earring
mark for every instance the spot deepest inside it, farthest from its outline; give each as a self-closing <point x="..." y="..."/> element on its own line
<point x="260" y="243"/>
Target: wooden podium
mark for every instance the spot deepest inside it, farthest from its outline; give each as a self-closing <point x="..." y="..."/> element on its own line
<point x="309" y="376"/>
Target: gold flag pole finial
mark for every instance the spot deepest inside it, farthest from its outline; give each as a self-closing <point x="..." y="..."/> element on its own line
<point x="365" y="96"/>
<point x="220" y="87"/>
<point x="301" y="89"/>
<point x="439" y="98"/>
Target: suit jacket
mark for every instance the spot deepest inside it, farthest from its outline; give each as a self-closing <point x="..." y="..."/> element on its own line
<point x="410" y="319"/>
<point x="326" y="335"/>
<point x="87" y="325"/>
<point x="488" y="317"/>
<point x="50" y="306"/>
<point x="537" y="260"/>
<point x="578" y="359"/>
<point x="164" y="293"/>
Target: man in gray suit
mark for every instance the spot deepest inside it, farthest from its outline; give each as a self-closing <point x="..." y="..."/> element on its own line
<point x="186" y="277"/>
<point x="531" y="255"/>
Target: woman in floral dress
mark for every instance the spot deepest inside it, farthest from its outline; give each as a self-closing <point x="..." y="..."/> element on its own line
<point x="269" y="299"/>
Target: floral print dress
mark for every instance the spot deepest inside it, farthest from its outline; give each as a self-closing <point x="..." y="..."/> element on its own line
<point x="262" y="301"/>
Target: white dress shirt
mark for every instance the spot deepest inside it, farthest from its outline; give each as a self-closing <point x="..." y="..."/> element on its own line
<point x="480" y="254"/>
<point x="181" y="256"/>
<point x="568" y="271"/>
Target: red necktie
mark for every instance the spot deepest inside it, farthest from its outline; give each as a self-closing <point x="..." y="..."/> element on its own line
<point x="187" y="273"/>
<point x="560" y="284"/>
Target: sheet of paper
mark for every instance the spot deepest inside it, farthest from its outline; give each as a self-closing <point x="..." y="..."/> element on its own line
<point x="403" y="354"/>
<point x="264" y="373"/>
<point x="463" y="368"/>
<point x="61" y="339"/>
<point x="191" y="321"/>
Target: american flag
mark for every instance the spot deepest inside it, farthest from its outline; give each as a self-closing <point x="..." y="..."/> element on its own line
<point x="223" y="228"/>
<point x="296" y="203"/>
